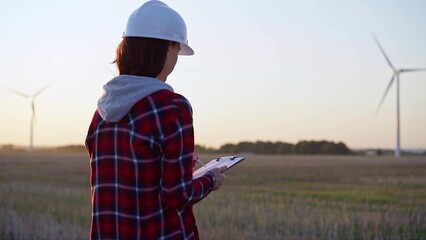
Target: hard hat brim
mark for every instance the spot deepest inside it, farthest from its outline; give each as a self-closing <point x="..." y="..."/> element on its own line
<point x="185" y="50"/>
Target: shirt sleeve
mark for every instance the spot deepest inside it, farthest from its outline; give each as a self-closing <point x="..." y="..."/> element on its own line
<point x="177" y="186"/>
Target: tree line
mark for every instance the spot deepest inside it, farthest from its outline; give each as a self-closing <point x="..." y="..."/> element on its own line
<point x="261" y="147"/>
<point x="258" y="147"/>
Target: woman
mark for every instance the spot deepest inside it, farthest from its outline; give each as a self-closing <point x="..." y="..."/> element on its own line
<point x="141" y="139"/>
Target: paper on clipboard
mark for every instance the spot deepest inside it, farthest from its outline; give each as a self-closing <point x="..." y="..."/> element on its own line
<point x="228" y="161"/>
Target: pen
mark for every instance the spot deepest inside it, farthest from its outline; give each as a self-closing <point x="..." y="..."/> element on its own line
<point x="200" y="162"/>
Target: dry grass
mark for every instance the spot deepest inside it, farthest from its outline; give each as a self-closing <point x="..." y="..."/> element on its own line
<point x="44" y="197"/>
<point x="265" y="197"/>
<point x="319" y="198"/>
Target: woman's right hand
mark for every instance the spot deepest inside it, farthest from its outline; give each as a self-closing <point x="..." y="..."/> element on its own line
<point x="219" y="175"/>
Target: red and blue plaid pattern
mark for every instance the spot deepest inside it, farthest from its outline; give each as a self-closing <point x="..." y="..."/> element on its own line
<point x="141" y="172"/>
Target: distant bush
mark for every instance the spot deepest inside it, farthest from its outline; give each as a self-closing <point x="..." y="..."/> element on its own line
<point x="7" y="147"/>
<point x="321" y="147"/>
<point x="302" y="147"/>
<point x="11" y="148"/>
<point x="204" y="149"/>
<point x="59" y="149"/>
<point x="71" y="148"/>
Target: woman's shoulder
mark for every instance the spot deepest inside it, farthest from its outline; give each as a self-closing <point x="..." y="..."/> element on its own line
<point x="163" y="99"/>
<point x="169" y="97"/>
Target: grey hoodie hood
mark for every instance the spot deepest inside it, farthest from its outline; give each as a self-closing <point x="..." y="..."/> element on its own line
<point x="124" y="91"/>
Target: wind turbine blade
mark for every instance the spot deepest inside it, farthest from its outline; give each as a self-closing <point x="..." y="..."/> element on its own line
<point x="384" y="54"/>
<point x="413" y="70"/>
<point x="114" y="74"/>
<point x="386" y="92"/>
<point x="42" y="89"/>
<point x="17" y="92"/>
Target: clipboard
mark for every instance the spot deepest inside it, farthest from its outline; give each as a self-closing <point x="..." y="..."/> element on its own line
<point x="228" y="161"/>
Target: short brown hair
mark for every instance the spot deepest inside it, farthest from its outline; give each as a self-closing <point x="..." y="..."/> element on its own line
<point x="141" y="56"/>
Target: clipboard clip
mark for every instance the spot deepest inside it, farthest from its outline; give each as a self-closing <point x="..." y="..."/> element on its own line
<point x="230" y="157"/>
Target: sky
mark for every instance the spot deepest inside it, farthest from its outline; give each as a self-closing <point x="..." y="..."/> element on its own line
<point x="263" y="70"/>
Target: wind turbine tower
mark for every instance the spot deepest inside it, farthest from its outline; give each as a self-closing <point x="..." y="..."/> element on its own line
<point x="395" y="75"/>
<point x="32" y="113"/>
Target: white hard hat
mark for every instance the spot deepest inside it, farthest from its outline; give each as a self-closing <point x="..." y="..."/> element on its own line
<point x="155" y="19"/>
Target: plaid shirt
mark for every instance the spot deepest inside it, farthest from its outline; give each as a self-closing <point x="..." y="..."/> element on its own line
<point x="141" y="172"/>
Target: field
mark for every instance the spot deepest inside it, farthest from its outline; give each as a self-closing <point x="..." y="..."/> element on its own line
<point x="47" y="196"/>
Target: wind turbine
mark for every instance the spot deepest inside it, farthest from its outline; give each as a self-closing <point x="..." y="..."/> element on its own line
<point x="395" y="75"/>
<point x="32" y="113"/>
